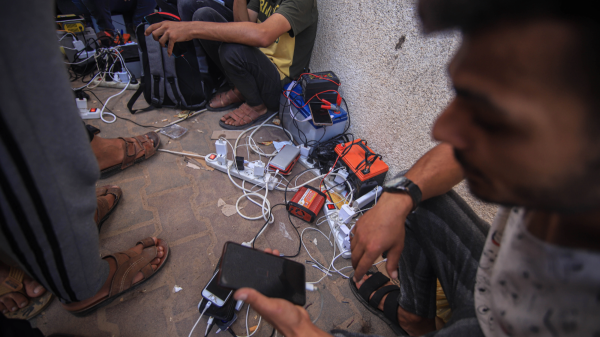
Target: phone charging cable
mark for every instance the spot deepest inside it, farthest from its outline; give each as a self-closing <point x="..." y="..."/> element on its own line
<point x="208" y="303"/>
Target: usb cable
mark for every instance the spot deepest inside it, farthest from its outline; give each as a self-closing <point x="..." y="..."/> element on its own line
<point x="208" y="303"/>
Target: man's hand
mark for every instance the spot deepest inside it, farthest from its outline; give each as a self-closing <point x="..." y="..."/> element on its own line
<point x="380" y="229"/>
<point x="170" y="32"/>
<point x="289" y="319"/>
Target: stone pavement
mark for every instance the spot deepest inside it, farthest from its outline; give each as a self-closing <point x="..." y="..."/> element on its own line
<point x="165" y="197"/>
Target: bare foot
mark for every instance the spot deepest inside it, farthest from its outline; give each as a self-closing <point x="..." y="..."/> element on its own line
<point x="414" y="325"/>
<point x="260" y="110"/>
<point x="15" y="300"/>
<point x="223" y="99"/>
<point x="109" y="151"/>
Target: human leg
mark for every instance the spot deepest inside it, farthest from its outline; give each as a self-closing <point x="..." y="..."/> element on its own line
<point x="100" y="10"/>
<point x="47" y="169"/>
<point x="187" y="9"/>
<point x="444" y="239"/>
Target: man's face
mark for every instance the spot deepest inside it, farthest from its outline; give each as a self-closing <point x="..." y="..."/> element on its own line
<point x="518" y="130"/>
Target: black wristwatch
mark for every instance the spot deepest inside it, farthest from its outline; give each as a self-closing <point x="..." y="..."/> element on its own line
<point x="404" y="185"/>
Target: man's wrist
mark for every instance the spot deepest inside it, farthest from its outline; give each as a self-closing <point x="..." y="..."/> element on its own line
<point x="402" y="203"/>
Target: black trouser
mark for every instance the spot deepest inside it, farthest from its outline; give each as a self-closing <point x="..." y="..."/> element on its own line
<point x="444" y="240"/>
<point x="246" y="68"/>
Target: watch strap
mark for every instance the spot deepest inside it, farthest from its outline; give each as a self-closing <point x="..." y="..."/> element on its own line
<point x="408" y="187"/>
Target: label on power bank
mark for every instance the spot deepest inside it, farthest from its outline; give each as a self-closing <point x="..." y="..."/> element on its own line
<point x="307" y="198"/>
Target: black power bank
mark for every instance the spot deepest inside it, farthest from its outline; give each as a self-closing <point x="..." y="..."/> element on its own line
<point x="271" y="275"/>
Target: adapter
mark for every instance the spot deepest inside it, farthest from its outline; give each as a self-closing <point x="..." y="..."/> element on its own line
<point x="221" y="147"/>
<point x="346" y="213"/>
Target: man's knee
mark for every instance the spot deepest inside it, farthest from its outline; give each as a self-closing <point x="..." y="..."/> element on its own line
<point x="205" y="13"/>
<point x="231" y="54"/>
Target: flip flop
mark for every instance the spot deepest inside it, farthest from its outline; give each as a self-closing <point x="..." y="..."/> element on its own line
<point x="245" y="114"/>
<point x="132" y="146"/>
<point x="390" y="307"/>
<point x="227" y="95"/>
<point x="103" y="209"/>
<point x="14" y="283"/>
<point x="128" y="264"/>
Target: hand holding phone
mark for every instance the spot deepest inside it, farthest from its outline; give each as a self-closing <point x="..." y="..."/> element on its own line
<point x="273" y="276"/>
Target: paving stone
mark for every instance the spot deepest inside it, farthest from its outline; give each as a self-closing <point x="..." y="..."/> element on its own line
<point x="176" y="215"/>
<point x="130" y="208"/>
<point x="135" y="322"/>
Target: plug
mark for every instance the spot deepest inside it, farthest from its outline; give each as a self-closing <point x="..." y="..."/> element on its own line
<point x="221" y="147"/>
<point x="311" y="287"/>
<point x="346" y="213"/>
<point x="78" y="45"/>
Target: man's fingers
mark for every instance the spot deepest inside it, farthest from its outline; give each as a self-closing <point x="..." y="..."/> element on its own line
<point x="264" y="305"/>
<point x="393" y="257"/>
<point x="364" y="264"/>
<point x="163" y="39"/>
<point x="171" y="46"/>
<point x="152" y="28"/>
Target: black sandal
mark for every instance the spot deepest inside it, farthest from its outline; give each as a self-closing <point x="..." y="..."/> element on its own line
<point x="390" y="307"/>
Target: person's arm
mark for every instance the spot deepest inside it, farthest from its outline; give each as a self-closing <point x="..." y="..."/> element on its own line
<point x="241" y="13"/>
<point x="249" y="33"/>
<point x="382" y="228"/>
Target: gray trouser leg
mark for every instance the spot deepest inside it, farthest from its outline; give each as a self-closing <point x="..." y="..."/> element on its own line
<point x="47" y="169"/>
<point x="444" y="240"/>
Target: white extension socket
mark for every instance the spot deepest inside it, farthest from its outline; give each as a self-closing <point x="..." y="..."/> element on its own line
<point x="339" y="230"/>
<point x="341" y="221"/>
<point x="246" y="174"/>
<point x="114" y="84"/>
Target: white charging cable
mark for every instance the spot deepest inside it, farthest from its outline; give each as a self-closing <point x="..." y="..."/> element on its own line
<point x="208" y="303"/>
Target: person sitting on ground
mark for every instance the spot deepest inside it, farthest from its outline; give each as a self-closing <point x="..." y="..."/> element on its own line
<point x="523" y="129"/>
<point x="49" y="205"/>
<point x="103" y="10"/>
<point x="285" y="33"/>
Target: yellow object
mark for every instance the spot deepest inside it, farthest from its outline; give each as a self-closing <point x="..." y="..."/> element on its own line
<point x="73" y="27"/>
<point x="442" y="305"/>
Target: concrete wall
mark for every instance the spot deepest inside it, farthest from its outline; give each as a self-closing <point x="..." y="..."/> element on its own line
<point x="393" y="77"/>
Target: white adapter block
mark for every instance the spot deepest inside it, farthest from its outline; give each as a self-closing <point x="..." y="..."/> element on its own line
<point x="339" y="230"/>
<point x="221" y="147"/>
<point x="258" y="168"/>
<point x="81" y="103"/>
<point x="246" y="174"/>
<point x="346" y="213"/>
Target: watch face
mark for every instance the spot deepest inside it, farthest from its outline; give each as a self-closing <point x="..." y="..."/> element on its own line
<point x="395" y="182"/>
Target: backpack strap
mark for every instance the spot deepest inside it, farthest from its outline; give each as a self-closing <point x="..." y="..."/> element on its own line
<point x="171" y="77"/>
<point x="157" y="76"/>
<point x="135" y="97"/>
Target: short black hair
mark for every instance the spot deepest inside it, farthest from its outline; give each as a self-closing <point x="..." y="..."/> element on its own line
<point x="471" y="16"/>
<point x="468" y="15"/>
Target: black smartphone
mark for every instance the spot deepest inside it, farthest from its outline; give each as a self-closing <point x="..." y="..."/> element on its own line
<point x="271" y="275"/>
<point x="320" y="116"/>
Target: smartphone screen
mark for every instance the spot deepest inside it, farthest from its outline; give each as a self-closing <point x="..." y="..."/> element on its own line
<point x="215" y="293"/>
<point x="271" y="275"/>
<point x="320" y="116"/>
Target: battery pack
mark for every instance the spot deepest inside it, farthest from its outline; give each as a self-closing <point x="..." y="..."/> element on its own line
<point x="367" y="169"/>
<point x="306" y="203"/>
<point x="323" y="84"/>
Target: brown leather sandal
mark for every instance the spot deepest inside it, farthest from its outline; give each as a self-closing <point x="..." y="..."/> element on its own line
<point x="243" y="117"/>
<point x="226" y="101"/>
<point x="132" y="147"/>
<point x="123" y="270"/>
<point x="14" y="283"/>
<point x="104" y="209"/>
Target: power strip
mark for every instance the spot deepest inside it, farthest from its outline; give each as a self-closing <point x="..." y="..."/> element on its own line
<point x="114" y="84"/>
<point x="247" y="174"/>
<point x="339" y="230"/>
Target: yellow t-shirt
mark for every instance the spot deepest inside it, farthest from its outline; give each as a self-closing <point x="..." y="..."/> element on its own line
<point x="291" y="51"/>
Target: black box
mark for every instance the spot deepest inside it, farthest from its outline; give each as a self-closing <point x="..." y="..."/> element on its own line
<point x="316" y="83"/>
